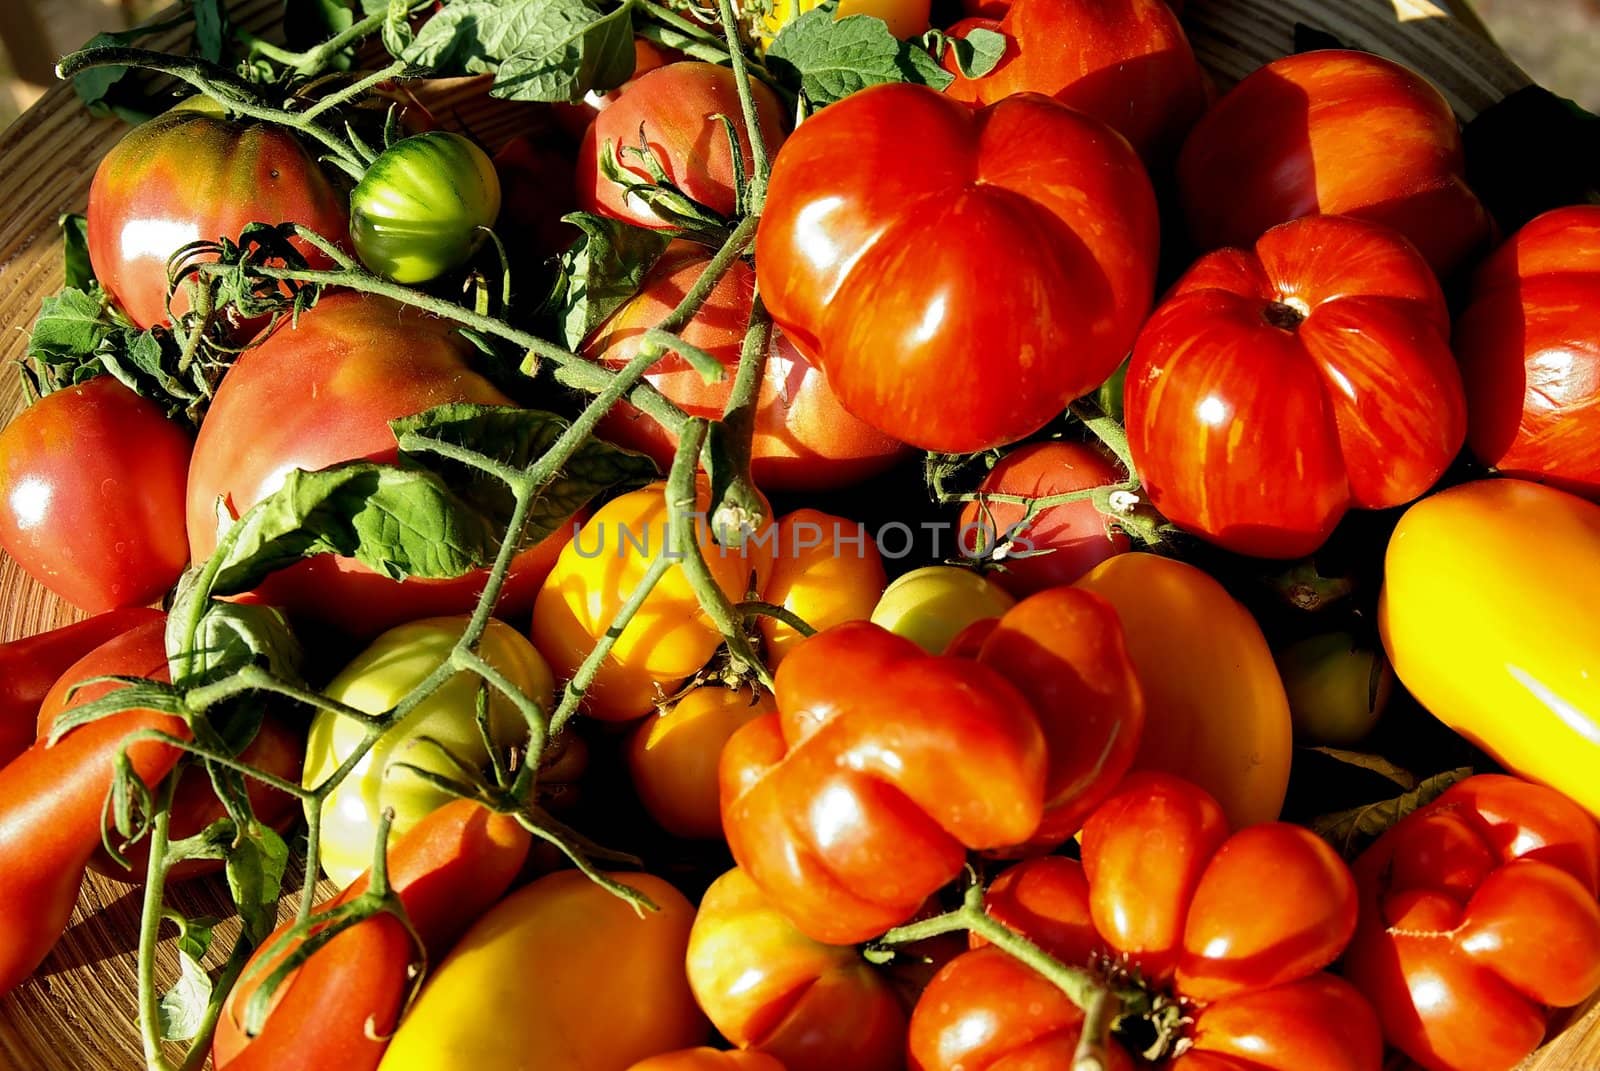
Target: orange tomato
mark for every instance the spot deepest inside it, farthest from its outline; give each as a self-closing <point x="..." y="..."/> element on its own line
<point x="673" y="756"/>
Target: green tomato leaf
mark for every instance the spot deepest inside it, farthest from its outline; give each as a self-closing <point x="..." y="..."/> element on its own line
<point x="602" y="270"/>
<point x="226" y="637"/>
<point x="825" y="60"/>
<point x="183" y="1008"/>
<point x="255" y="871"/>
<point x="516" y="437"/>
<point x="70" y="326"/>
<point x="979" y="52"/>
<point x="75" y="243"/>
<point x="568" y="48"/>
<point x="1349" y="831"/>
<point x="210" y="29"/>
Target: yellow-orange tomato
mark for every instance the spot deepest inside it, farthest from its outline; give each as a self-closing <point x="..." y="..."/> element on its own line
<point x="560" y="974"/>
<point x="906" y="18"/>
<point x="673" y="756"/>
<point x="1215" y="708"/>
<point x="704" y="1059"/>
<point x="670" y="637"/>
<point x="828" y="571"/>
<point x="767" y="986"/>
<point x="1489" y="613"/>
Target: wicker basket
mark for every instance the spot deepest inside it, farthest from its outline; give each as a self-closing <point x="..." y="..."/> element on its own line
<point x="77" y="1014"/>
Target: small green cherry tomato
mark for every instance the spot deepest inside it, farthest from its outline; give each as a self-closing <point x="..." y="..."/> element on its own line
<point x="1337" y="687"/>
<point x="930" y="606"/>
<point x="419" y="210"/>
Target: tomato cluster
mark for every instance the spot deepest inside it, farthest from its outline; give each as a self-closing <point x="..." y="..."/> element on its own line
<point x="479" y="556"/>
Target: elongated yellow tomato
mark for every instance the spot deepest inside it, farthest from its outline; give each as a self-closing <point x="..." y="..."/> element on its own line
<point x="1490" y="611"/>
<point x="828" y="571"/>
<point x="378" y="678"/>
<point x="560" y="975"/>
<point x="1215" y="709"/>
<point x="670" y="637"/>
<point x="906" y="18"/>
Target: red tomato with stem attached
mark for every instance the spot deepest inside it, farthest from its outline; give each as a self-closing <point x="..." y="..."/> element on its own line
<point x="353" y="363"/>
<point x="92" y="495"/>
<point x="804" y="438"/>
<point x="959" y="276"/>
<point x="1529" y="346"/>
<point x="1060" y="543"/>
<point x="1478" y="915"/>
<point x="1337" y="132"/>
<point x="1277" y="388"/>
<point x="1125" y="62"/>
<point x="674" y="108"/>
<point x="1167" y="904"/>
<point x="192" y="175"/>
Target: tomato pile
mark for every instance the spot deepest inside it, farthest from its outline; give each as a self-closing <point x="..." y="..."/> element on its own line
<point x="844" y="546"/>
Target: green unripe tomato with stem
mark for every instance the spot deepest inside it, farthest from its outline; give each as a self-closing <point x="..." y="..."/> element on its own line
<point x="423" y="206"/>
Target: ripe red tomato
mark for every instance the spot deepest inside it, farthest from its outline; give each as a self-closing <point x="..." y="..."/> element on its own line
<point x="354" y="363"/>
<point x="1275" y="389"/>
<point x="191" y="175"/>
<point x="705" y="1059"/>
<point x="768" y="987"/>
<point x="959" y="276"/>
<point x="882" y="767"/>
<point x="675" y="108"/>
<point x="1478" y="914"/>
<point x="1163" y="890"/>
<point x="1340" y="132"/>
<point x="1126" y="63"/>
<point x="574" y="119"/>
<point x="804" y="438"/>
<point x="91" y="495"/>
<point x="1530" y="353"/>
<point x="1060" y="543"/>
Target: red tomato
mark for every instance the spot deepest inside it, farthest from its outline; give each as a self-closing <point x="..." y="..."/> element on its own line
<point x="960" y="276"/>
<point x="768" y="987"/>
<point x="1164" y="889"/>
<point x="704" y="1059"/>
<point x="1275" y="389"/>
<point x="91" y="495"/>
<point x="804" y="439"/>
<point x="355" y="362"/>
<point x="1478" y="914"/>
<point x="190" y="176"/>
<point x="1530" y="353"/>
<point x="1339" y="132"/>
<point x="1125" y="62"/>
<point x="1060" y="543"/>
<point x="675" y="108"/>
<point x="883" y="766"/>
<point x="575" y="118"/>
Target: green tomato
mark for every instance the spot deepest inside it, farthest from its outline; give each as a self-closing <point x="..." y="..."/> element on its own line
<point x="419" y="209"/>
<point x="1337" y="687"/>
<point x="931" y="606"/>
<point x="375" y="682"/>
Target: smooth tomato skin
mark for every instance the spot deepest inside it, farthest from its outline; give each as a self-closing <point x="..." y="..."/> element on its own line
<point x="1503" y="656"/>
<point x="1529" y="345"/>
<point x="860" y="798"/>
<point x="910" y="243"/>
<point x="52" y="799"/>
<point x="1062" y="542"/>
<point x="767" y="987"/>
<point x="91" y="495"/>
<point x="340" y="1006"/>
<point x="190" y="176"/>
<point x="1338" y="687"/>
<point x="1215" y="709"/>
<point x="1319" y="1021"/>
<point x="706" y="1059"/>
<point x="933" y="605"/>
<point x="905" y="18"/>
<point x="1127" y="63"/>
<point x="823" y="573"/>
<point x="1317" y="365"/>
<point x="804" y="439"/>
<point x="670" y="637"/>
<point x="1478" y="912"/>
<point x="1338" y="132"/>
<point x="422" y="207"/>
<point x="1064" y="651"/>
<point x="608" y="989"/>
<point x="674" y="105"/>
<point x="673" y="756"/>
<point x="358" y="362"/>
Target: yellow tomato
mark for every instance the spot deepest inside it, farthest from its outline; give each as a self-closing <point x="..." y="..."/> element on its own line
<point x="709" y="1060"/>
<point x="375" y="682"/>
<point x="931" y="606"/>
<point x="560" y="974"/>
<point x="670" y="637"/>
<point x="1215" y="709"/>
<point x="673" y="756"/>
<point x="1490" y="612"/>
<point x="824" y="579"/>
<point x="906" y="18"/>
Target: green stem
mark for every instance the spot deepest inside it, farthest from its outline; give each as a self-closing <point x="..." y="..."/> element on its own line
<point x="684" y="25"/>
<point x="756" y="608"/>
<point x="736" y="246"/>
<point x="199" y="1050"/>
<point x="1109" y="432"/>
<point x="312" y="61"/>
<point x="1093" y="1051"/>
<point x="693" y="47"/>
<point x="756" y="196"/>
<point x="354" y="89"/>
<point x="150" y="927"/>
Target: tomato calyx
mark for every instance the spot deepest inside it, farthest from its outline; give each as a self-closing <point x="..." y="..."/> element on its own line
<point x="681" y="214"/>
<point x="1286" y="314"/>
